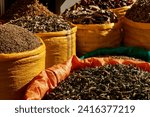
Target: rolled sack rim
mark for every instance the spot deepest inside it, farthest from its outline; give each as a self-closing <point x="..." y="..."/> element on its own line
<point x="16" y="56"/>
<point x="59" y="33"/>
<point x="99" y="26"/>
<point x="138" y="25"/>
<point x="124" y="8"/>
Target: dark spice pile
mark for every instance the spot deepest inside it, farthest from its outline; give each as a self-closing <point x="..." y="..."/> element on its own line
<point x="107" y="4"/>
<point x="122" y="57"/>
<point x="42" y="23"/>
<point x="140" y="11"/>
<point x="14" y="39"/>
<point x="89" y="11"/>
<point x="24" y="8"/>
<point x="109" y="82"/>
<point x="89" y="15"/>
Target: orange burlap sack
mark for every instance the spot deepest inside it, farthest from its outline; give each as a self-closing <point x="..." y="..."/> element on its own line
<point x="18" y="69"/>
<point x="60" y="46"/>
<point x="49" y="78"/>
<point x="136" y="34"/>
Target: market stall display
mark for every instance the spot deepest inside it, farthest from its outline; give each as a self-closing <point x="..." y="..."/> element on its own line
<point x="22" y="57"/>
<point x="38" y="51"/>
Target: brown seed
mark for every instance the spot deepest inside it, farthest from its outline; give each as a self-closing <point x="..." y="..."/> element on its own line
<point x="16" y="39"/>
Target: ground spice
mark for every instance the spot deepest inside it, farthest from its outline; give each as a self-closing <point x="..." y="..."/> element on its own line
<point x="108" y="82"/>
<point x="14" y="39"/>
<point x="24" y="8"/>
<point x="139" y="12"/>
<point x="42" y="23"/>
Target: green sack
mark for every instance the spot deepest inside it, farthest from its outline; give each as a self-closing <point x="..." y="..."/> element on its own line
<point x="135" y="52"/>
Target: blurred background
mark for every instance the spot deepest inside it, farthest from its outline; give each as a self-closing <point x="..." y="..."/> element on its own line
<point x="56" y="6"/>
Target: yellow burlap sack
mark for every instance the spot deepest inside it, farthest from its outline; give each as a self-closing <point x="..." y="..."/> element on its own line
<point x="93" y="36"/>
<point x="136" y="34"/>
<point x="60" y="46"/>
<point x="18" y="69"/>
<point x="121" y="11"/>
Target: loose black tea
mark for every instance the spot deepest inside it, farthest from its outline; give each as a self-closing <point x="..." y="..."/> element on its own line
<point x="90" y="15"/>
<point x="42" y="23"/>
<point x="140" y="11"/>
<point x="25" y="8"/>
<point x="14" y="39"/>
<point x="121" y="57"/>
<point x="108" y="82"/>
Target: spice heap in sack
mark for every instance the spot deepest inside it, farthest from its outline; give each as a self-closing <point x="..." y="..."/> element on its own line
<point x="108" y="82"/>
<point x="24" y="8"/>
<point x="136" y="25"/>
<point x="22" y="57"/>
<point x="58" y="35"/>
<point x="90" y="15"/>
<point x="97" y="28"/>
<point x="140" y="11"/>
<point x="42" y="23"/>
<point x="20" y="41"/>
<point x="84" y="9"/>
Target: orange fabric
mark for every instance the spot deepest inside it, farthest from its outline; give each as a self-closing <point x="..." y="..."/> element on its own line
<point x="49" y="78"/>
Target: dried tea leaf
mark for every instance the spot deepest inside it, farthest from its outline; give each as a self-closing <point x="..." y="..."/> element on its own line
<point x="42" y="23"/>
<point x="108" y="82"/>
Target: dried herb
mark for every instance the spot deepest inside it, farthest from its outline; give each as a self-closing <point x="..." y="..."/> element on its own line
<point x="140" y="11"/>
<point x="89" y="11"/>
<point x="121" y="57"/>
<point x="89" y="15"/>
<point x="108" y="82"/>
<point x="25" y="8"/>
<point x="106" y="4"/>
<point x="42" y="23"/>
<point x="14" y="39"/>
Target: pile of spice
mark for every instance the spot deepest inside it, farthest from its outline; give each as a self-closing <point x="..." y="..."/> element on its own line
<point x="139" y="12"/>
<point x="108" y="82"/>
<point x="42" y="23"/>
<point x="14" y="39"/>
<point x="24" y="8"/>
<point x="107" y="4"/>
<point x="89" y="15"/>
<point x="122" y="57"/>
